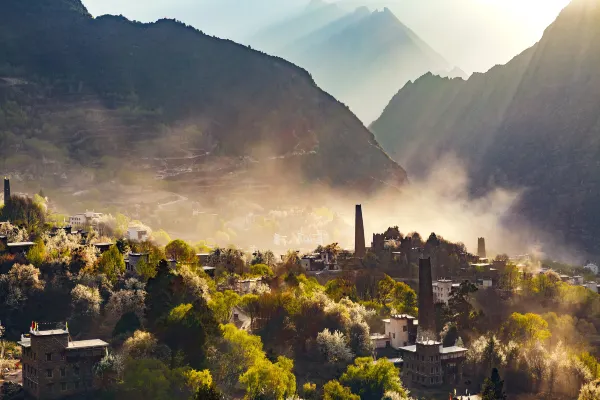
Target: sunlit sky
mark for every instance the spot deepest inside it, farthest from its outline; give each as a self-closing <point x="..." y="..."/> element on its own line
<point x="472" y="34"/>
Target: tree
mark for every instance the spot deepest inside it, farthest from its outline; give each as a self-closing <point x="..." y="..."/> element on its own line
<point x="528" y="327"/>
<point x="450" y="335"/>
<point x="359" y="339"/>
<point x="397" y="295"/>
<point x="179" y="251"/>
<point x="23" y="211"/>
<point x="186" y="330"/>
<point x="37" y="254"/>
<point x="510" y="278"/>
<point x="146" y="379"/>
<point x="270" y="381"/>
<point x="339" y="288"/>
<point x="112" y="264"/>
<point x="261" y="270"/>
<point x="459" y="308"/>
<point x="222" y="303"/>
<point x="86" y="300"/>
<point x="590" y="391"/>
<point x="493" y="387"/>
<point x="333" y="390"/>
<point x="250" y="305"/>
<point x="141" y="345"/>
<point x="309" y="391"/>
<point x="334" y="346"/>
<point x="239" y="351"/>
<point x="371" y="379"/>
<point x="21" y="282"/>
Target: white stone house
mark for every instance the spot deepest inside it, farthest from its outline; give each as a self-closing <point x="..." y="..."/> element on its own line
<point x="88" y="218"/>
<point x="137" y="234"/>
<point x="442" y="290"/>
<point x="399" y="331"/>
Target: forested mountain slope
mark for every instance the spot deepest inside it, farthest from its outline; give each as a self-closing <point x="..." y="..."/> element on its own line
<point x="106" y="95"/>
<point x="533" y="123"/>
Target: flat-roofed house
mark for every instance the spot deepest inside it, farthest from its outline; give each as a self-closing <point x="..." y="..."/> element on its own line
<point x="54" y="366"/>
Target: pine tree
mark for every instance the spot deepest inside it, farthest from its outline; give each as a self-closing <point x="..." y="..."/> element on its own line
<point x="493" y="387"/>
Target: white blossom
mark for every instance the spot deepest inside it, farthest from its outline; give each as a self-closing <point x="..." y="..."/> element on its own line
<point x="334" y="346"/>
<point x="86" y="300"/>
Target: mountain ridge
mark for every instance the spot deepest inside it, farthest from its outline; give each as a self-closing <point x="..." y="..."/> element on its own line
<point x="529" y="124"/>
<point x="363" y="57"/>
<point x="107" y="90"/>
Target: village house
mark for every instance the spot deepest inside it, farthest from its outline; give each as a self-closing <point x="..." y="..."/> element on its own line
<point x="593" y="268"/>
<point x="103" y="247"/>
<point x="137" y="234"/>
<point x="133" y="260"/>
<point x="399" y="331"/>
<point x="15" y="247"/>
<point x="593" y="286"/>
<point x="246" y="286"/>
<point x="54" y="366"/>
<point x="442" y="290"/>
<point x="319" y="262"/>
<point x="82" y="220"/>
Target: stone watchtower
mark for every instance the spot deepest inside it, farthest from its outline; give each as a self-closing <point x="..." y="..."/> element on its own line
<point x="481" y="253"/>
<point x="6" y="190"/>
<point x="360" y="249"/>
<point x="54" y="366"/>
<point x="427" y="330"/>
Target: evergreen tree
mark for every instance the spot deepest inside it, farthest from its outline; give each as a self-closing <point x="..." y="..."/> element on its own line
<point x="493" y="387"/>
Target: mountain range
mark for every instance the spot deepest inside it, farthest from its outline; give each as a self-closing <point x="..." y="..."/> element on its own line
<point x="531" y="125"/>
<point x="106" y="98"/>
<point x="361" y="57"/>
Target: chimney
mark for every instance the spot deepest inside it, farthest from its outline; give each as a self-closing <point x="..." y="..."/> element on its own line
<point x="427" y="329"/>
<point x="481" y="253"/>
<point x="6" y="190"/>
<point x="359" y="234"/>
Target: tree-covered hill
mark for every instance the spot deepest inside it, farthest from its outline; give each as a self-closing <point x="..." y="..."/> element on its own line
<point x="532" y="123"/>
<point x="81" y="93"/>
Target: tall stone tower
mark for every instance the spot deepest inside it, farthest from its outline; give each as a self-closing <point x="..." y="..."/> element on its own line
<point x="360" y="249"/>
<point x="427" y="330"/>
<point x="6" y="190"/>
<point x="481" y="253"/>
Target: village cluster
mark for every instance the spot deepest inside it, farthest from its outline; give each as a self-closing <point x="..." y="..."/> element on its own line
<point x="54" y="365"/>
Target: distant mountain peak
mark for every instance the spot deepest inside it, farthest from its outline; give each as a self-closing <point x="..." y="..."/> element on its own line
<point x="316" y="4"/>
<point x="362" y="10"/>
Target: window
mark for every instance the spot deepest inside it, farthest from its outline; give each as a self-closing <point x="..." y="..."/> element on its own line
<point x="76" y="371"/>
<point x="48" y="356"/>
<point x="50" y="387"/>
<point x="63" y="386"/>
<point x="49" y="373"/>
<point x="63" y="372"/>
<point x="404" y="328"/>
<point x="394" y="335"/>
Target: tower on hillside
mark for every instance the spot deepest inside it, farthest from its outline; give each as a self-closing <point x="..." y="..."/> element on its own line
<point x="6" y="190"/>
<point x="428" y="362"/>
<point x="359" y="234"/>
<point x="481" y="253"/>
<point x="427" y="330"/>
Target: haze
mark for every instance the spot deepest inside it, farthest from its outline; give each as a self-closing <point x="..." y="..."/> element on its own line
<point x="472" y="34"/>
